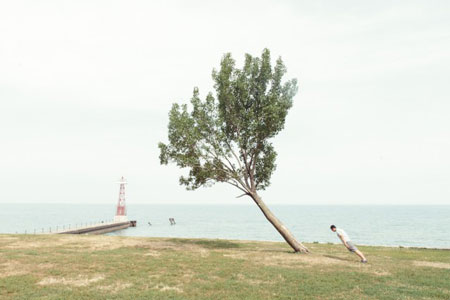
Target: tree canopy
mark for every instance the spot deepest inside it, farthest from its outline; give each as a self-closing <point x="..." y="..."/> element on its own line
<point x="227" y="136"/>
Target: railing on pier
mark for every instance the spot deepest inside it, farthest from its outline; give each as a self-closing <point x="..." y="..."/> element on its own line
<point x="84" y="228"/>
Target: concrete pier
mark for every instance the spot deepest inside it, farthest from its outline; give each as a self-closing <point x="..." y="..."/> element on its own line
<point x="100" y="228"/>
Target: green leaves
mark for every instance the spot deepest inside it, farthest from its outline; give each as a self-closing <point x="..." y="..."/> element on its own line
<point x="226" y="138"/>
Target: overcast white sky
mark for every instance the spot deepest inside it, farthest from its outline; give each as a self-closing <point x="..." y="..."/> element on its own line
<point x="86" y="86"/>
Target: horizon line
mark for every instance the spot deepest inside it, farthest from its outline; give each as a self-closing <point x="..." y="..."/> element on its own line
<point x="237" y="204"/>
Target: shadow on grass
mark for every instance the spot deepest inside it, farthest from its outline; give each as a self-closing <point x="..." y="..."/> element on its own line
<point x="210" y="244"/>
<point x="338" y="258"/>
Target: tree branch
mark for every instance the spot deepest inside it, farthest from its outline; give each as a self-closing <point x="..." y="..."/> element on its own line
<point x="234" y="154"/>
<point x="246" y="194"/>
<point x="235" y="185"/>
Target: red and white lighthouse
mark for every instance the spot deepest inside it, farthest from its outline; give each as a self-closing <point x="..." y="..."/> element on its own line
<point x="121" y="213"/>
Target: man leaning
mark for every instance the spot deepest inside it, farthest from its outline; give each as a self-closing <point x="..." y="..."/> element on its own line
<point x="348" y="243"/>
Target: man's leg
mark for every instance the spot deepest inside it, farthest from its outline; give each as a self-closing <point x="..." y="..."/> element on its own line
<point x="351" y="247"/>
<point x="359" y="253"/>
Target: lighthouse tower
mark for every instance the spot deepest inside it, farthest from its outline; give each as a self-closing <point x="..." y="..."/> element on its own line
<point x="121" y="213"/>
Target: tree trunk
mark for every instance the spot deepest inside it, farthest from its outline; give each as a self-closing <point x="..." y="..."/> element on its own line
<point x="285" y="233"/>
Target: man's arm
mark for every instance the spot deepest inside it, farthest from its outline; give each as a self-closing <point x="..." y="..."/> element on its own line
<point x="343" y="241"/>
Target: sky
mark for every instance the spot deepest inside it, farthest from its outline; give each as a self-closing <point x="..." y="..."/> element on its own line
<point x="86" y="86"/>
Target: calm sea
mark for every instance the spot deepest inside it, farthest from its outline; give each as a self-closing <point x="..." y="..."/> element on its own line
<point x="421" y="226"/>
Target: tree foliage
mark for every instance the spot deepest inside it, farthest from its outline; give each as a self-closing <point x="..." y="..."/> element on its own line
<point x="227" y="136"/>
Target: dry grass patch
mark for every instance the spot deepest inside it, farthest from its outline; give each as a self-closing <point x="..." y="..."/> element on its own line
<point x="431" y="264"/>
<point x="13" y="268"/>
<point x="116" y="287"/>
<point x="166" y="288"/>
<point x="188" y="275"/>
<point x="80" y="280"/>
<point x="203" y="252"/>
<point x="7" y="238"/>
<point x="152" y="253"/>
<point x="86" y="242"/>
<point x="381" y="273"/>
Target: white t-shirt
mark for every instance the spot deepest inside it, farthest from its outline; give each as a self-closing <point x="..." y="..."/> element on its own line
<point x="343" y="234"/>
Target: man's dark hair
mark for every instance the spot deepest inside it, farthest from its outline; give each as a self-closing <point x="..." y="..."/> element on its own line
<point x="332" y="226"/>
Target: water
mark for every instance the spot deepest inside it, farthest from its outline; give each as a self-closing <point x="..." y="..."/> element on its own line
<point x="420" y="226"/>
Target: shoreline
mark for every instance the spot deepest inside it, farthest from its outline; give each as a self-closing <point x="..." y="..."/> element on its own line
<point x="236" y="240"/>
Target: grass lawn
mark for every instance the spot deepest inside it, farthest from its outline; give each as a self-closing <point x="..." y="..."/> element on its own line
<point x="106" y="267"/>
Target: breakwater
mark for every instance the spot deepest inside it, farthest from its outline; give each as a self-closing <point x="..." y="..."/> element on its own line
<point x="100" y="228"/>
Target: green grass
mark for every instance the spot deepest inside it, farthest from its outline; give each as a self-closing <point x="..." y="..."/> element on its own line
<point x="104" y="267"/>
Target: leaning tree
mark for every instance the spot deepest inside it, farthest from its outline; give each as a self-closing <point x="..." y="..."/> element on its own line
<point x="226" y="137"/>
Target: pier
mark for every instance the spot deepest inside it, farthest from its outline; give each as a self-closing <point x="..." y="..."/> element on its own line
<point x="119" y="222"/>
<point x="100" y="228"/>
<point x="120" y="219"/>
